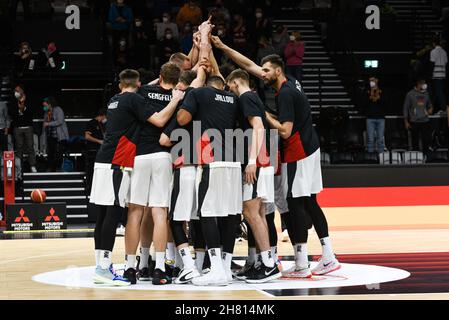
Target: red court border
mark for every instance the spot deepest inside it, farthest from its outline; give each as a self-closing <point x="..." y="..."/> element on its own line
<point x="384" y="196"/>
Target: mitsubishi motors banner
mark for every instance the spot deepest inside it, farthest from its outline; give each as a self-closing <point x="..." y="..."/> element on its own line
<point x="33" y="216"/>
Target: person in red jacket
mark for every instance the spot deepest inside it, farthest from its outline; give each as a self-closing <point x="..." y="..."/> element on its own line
<point x="294" y="53"/>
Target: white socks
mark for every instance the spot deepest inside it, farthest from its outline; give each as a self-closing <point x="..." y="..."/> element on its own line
<point x="274" y="253"/>
<point x="215" y="259"/>
<point x="267" y="258"/>
<point x="130" y="261"/>
<point x="171" y="252"/>
<point x="144" y="256"/>
<point x="105" y="259"/>
<point x="328" y="253"/>
<point x="97" y="257"/>
<point x="301" y="256"/>
<point x="199" y="259"/>
<point x="160" y="261"/>
<point x="227" y="260"/>
<point x="187" y="258"/>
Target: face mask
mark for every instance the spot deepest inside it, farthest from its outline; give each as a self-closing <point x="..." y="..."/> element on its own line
<point x="46" y="108"/>
<point x="138" y="24"/>
<point x="424" y="87"/>
<point x="168" y="36"/>
<point x="18" y="95"/>
<point x="122" y="43"/>
<point x="292" y="38"/>
<point x="259" y="15"/>
<point x="164" y="19"/>
<point x="104" y="121"/>
<point x="220" y="33"/>
<point x="120" y="2"/>
<point x="372" y="84"/>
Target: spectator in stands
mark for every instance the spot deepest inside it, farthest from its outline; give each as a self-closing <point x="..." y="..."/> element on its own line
<point x="50" y="58"/>
<point x="438" y="60"/>
<point x="24" y="61"/>
<point x="189" y="12"/>
<point x="240" y="35"/>
<point x="55" y="131"/>
<point x="167" y="24"/>
<point x="294" y="54"/>
<point x="122" y="54"/>
<point x="140" y="44"/>
<point x="186" y="38"/>
<point x="4" y="126"/>
<point x="167" y="46"/>
<point x="219" y="13"/>
<point x="280" y="39"/>
<point x="94" y="135"/>
<point x="374" y="107"/>
<point x="260" y="26"/>
<point x="120" y="20"/>
<point x="22" y="124"/>
<point x="417" y="108"/>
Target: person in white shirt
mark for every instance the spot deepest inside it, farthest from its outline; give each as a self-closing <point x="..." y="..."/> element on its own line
<point x="438" y="59"/>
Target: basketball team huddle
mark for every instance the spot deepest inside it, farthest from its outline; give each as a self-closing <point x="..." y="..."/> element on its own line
<point x="166" y="159"/>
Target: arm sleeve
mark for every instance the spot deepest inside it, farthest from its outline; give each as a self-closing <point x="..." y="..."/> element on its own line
<point x="286" y="106"/>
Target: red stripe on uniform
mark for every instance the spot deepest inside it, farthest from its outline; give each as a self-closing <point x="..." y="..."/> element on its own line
<point x="293" y="148"/>
<point x="384" y="196"/>
<point x="124" y="153"/>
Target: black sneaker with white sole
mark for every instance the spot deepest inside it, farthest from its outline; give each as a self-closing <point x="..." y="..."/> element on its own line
<point x="264" y="274"/>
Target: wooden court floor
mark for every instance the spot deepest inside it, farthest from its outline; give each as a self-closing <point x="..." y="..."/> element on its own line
<point x="353" y="230"/>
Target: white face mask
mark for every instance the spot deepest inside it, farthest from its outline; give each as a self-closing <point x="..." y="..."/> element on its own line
<point x="259" y="15"/>
<point x="138" y="23"/>
<point x="164" y="19"/>
<point x="372" y="84"/>
<point x="168" y="36"/>
<point x="17" y="94"/>
<point x="220" y="32"/>
<point x="292" y="38"/>
<point x="424" y="87"/>
<point x="104" y="121"/>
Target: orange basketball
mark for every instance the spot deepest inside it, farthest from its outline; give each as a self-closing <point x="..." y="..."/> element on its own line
<point x="38" y="196"/>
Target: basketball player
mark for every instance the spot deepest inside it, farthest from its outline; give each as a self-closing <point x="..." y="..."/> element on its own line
<point x="220" y="185"/>
<point x="301" y="165"/>
<point x="258" y="187"/>
<point x="183" y="198"/>
<point x="152" y="175"/>
<point x="114" y="161"/>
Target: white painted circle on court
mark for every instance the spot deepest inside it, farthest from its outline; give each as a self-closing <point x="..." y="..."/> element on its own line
<point x="349" y="275"/>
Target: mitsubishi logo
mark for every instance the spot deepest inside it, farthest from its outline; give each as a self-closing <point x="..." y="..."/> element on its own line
<point x="22" y="217"/>
<point x="52" y="216"/>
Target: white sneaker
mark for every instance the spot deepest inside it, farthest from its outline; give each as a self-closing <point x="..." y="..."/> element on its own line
<point x="212" y="278"/>
<point x="186" y="275"/>
<point x="33" y="169"/>
<point x="120" y="231"/>
<point x="298" y="273"/>
<point x="325" y="267"/>
<point x="229" y="275"/>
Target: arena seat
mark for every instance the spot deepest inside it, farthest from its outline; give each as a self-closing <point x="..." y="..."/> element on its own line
<point x="413" y="157"/>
